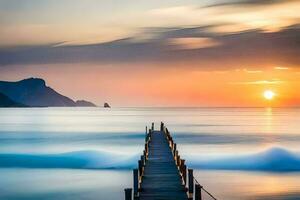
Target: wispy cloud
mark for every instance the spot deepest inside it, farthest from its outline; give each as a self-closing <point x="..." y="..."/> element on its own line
<point x="33" y="23"/>
<point x="252" y="71"/>
<point x="247" y="2"/>
<point x="273" y="16"/>
<point x="258" y="82"/>
<point x="191" y="43"/>
<point x="281" y="68"/>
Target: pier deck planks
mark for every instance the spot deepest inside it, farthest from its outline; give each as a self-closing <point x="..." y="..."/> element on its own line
<point x="161" y="180"/>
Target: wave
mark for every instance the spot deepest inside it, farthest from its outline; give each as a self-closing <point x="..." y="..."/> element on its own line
<point x="72" y="160"/>
<point x="274" y="159"/>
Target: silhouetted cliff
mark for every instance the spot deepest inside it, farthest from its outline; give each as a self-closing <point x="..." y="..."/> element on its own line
<point x="5" y="101"/>
<point x="35" y="93"/>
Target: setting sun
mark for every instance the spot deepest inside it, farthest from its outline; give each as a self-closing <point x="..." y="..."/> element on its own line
<point x="269" y="95"/>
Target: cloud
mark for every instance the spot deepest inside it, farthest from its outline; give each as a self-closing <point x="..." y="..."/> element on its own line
<point x="259" y="82"/>
<point x="33" y="23"/>
<point x="197" y="45"/>
<point x="248" y="2"/>
<point x="273" y="16"/>
<point x="281" y="68"/>
<point x="191" y="43"/>
<point x="252" y="71"/>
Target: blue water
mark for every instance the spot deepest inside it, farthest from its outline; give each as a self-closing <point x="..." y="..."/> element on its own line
<point x="274" y="160"/>
<point x="88" y="153"/>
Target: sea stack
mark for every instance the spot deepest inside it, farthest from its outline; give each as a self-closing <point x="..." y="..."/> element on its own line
<point x="106" y="105"/>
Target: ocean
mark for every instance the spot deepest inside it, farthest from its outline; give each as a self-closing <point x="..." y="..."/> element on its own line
<point x="89" y="153"/>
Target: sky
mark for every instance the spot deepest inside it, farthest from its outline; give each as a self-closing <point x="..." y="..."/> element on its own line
<point x="156" y="53"/>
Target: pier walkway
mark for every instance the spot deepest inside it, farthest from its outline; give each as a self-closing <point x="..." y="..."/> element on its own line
<point x="161" y="173"/>
<point x="161" y="178"/>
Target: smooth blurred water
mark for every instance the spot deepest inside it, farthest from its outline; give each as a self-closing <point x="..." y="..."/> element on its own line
<point x="88" y="153"/>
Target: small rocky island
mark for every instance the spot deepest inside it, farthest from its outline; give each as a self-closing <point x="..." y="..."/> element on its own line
<point x="106" y="105"/>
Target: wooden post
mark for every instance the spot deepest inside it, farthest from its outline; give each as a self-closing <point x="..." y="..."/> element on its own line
<point x="182" y="161"/>
<point x="161" y="126"/>
<point x="174" y="149"/>
<point x="140" y="168"/>
<point x="128" y="194"/>
<point x="178" y="160"/>
<point x="198" y="195"/>
<point x="146" y="147"/>
<point x="191" y="181"/>
<point x="135" y="182"/>
<point x="184" y="173"/>
<point x="183" y="170"/>
<point x="145" y="156"/>
<point x="143" y="160"/>
<point x="169" y="135"/>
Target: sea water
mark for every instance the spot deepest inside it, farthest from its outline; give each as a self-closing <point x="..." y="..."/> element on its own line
<point x="89" y="153"/>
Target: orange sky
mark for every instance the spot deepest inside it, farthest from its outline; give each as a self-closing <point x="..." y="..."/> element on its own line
<point x="170" y="86"/>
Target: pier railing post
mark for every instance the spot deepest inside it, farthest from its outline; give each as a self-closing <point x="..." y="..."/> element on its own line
<point x="143" y="160"/>
<point x="128" y="194"/>
<point x="191" y="183"/>
<point x="145" y="155"/>
<point x="178" y="159"/>
<point x="174" y="150"/>
<point x="183" y="170"/>
<point x="198" y="193"/>
<point x="140" y="168"/>
<point x="135" y="183"/>
<point x="184" y="173"/>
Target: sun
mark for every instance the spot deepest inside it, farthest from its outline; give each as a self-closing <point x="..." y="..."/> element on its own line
<point x="269" y="94"/>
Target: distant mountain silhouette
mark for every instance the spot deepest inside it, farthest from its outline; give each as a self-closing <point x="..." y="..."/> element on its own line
<point x="5" y="101"/>
<point x="34" y="92"/>
<point x="83" y="103"/>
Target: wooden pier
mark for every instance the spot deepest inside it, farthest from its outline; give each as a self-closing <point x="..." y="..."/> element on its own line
<point x="161" y="173"/>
